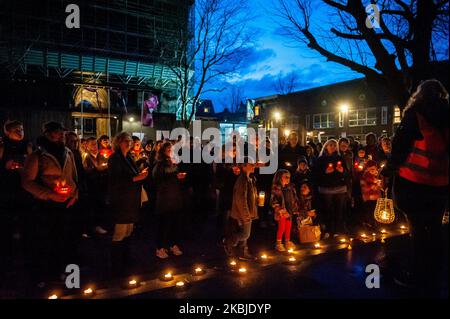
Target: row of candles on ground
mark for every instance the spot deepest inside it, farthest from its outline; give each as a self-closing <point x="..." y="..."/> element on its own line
<point x="239" y="269"/>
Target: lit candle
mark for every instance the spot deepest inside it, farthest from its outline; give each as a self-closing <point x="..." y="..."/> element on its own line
<point x="374" y="234"/>
<point x="349" y="247"/>
<point x="384" y="215"/>
<point x="62" y="188"/>
<point x="339" y="164"/>
<point x="363" y="235"/>
<point x="167" y="277"/>
<point x="343" y="240"/>
<point x="292" y="259"/>
<point x="317" y="245"/>
<point x="264" y="257"/>
<point x="330" y="165"/>
<point x="288" y="164"/>
<point x="290" y="251"/>
<point x="180" y="284"/>
<point x="88" y="292"/>
<point x="383" y="231"/>
<point x="403" y="227"/>
<point x="261" y="198"/>
<point x="199" y="271"/>
<point x="53" y="296"/>
<point x="242" y="270"/>
<point x="233" y="263"/>
<point x="133" y="283"/>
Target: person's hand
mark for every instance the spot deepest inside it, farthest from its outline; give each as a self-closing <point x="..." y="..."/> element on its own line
<point x="143" y="175"/>
<point x="58" y="198"/>
<point x="181" y="176"/>
<point x="236" y="170"/>
<point x="11" y="165"/>
<point x="71" y="202"/>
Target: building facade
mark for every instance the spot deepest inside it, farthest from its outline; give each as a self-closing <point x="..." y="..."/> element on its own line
<point x="98" y="78"/>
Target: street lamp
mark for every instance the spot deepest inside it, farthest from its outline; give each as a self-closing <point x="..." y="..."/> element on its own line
<point x="277" y="116"/>
<point x="344" y="107"/>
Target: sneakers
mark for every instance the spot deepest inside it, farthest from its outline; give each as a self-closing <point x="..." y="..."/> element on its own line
<point x="246" y="255"/>
<point x="100" y="230"/>
<point x="176" y="250"/>
<point x="280" y="247"/>
<point x="162" y="253"/>
<point x="290" y="245"/>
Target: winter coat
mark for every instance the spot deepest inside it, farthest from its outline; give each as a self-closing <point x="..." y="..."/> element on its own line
<point x="369" y="187"/>
<point x="335" y="180"/>
<point x="169" y="194"/>
<point x="244" y="208"/>
<point x="301" y="176"/>
<point x="284" y="198"/>
<point x="124" y="193"/>
<point x="43" y="171"/>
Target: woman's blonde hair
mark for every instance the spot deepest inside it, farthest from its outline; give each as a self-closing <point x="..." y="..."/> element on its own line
<point x="324" y="147"/>
<point x="119" y="138"/>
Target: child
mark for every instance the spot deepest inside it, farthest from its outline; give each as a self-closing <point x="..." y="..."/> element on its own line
<point x="303" y="173"/>
<point x="371" y="191"/>
<point x="243" y="211"/>
<point x="305" y="205"/>
<point x="284" y="202"/>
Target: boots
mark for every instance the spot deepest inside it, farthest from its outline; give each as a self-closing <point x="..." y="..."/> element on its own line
<point x="279" y="246"/>
<point x="245" y="255"/>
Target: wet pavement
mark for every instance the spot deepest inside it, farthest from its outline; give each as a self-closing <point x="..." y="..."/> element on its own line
<point x="331" y="272"/>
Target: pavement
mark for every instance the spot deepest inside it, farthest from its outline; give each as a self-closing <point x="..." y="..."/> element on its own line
<point x="332" y="272"/>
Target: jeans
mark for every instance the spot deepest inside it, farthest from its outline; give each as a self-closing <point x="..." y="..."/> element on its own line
<point x="169" y="229"/>
<point x="240" y="234"/>
<point x="333" y="210"/>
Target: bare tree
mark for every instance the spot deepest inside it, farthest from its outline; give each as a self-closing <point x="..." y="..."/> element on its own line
<point x="286" y="84"/>
<point x="398" y="52"/>
<point x="209" y="49"/>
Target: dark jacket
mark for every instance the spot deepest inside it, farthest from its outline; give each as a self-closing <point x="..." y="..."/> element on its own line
<point x="301" y="176"/>
<point x="169" y="194"/>
<point x="290" y="155"/>
<point x="244" y="208"/>
<point x="225" y="180"/>
<point x="124" y="193"/>
<point x="284" y="198"/>
<point x="332" y="180"/>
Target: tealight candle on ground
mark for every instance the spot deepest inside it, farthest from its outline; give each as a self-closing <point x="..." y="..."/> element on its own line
<point x="88" y="292"/>
<point x="317" y="245"/>
<point x="343" y="240"/>
<point x="374" y="234"/>
<point x="403" y="227"/>
<point x="199" y="271"/>
<point x="233" y="263"/>
<point x="349" y="247"/>
<point x="363" y="235"/>
<point x="242" y="271"/>
<point x="383" y="231"/>
<point x="54" y="296"/>
<point x="133" y="283"/>
<point x="180" y="284"/>
<point x="290" y="250"/>
<point x="167" y="277"/>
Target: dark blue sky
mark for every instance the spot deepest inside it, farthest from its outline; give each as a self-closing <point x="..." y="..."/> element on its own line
<point x="274" y="54"/>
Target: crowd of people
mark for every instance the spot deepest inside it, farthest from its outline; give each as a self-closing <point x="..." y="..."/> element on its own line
<point x="61" y="190"/>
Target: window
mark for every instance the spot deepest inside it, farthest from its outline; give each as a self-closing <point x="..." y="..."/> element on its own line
<point x="341" y="119"/>
<point x="308" y="122"/>
<point x="397" y="115"/>
<point x="256" y="110"/>
<point x="362" y="117"/>
<point x="206" y="110"/>
<point x="384" y="115"/>
<point x="324" y="120"/>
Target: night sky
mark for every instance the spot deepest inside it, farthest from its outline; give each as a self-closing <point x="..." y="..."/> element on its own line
<point x="273" y="54"/>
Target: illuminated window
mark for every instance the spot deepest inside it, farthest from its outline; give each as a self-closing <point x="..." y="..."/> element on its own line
<point x="256" y="110"/>
<point x="323" y="120"/>
<point x="363" y="117"/>
<point x="397" y="115"/>
<point x="206" y="110"/>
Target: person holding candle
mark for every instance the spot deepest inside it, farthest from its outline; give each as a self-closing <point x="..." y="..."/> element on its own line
<point x="50" y="175"/>
<point x="97" y="184"/>
<point x="303" y="173"/>
<point x="14" y="201"/>
<point x="104" y="149"/>
<point x="137" y="153"/>
<point x="371" y="184"/>
<point x="290" y="153"/>
<point x="125" y="186"/>
<point x="244" y="211"/>
<point x="169" y="202"/>
<point x="284" y="202"/>
<point x="330" y="175"/>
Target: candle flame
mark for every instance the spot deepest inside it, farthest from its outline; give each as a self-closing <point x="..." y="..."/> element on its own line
<point x="88" y="291"/>
<point x="292" y="259"/>
<point x="132" y="282"/>
<point x="233" y="263"/>
<point x="180" y="284"/>
<point x="242" y="270"/>
<point x="317" y="245"/>
<point x="53" y="297"/>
